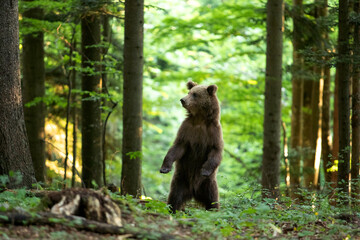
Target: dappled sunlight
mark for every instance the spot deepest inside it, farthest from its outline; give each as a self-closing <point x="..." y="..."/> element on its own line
<point x="317" y="160"/>
<point x="55" y="149"/>
<point x="143" y="197"/>
<point x="58" y="168"/>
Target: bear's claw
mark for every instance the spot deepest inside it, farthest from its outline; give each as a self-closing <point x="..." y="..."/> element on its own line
<point x="205" y="172"/>
<point x="165" y="170"/>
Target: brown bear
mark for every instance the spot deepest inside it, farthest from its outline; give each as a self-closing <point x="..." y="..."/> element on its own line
<point x="197" y="150"/>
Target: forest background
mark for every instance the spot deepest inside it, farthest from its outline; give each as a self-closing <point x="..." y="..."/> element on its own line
<point x="209" y="42"/>
<point x="182" y="41"/>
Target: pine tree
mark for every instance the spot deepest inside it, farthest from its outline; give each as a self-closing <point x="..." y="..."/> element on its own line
<point x="273" y="82"/>
<point x="132" y="105"/>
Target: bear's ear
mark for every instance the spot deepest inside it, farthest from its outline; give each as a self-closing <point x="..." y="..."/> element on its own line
<point x="212" y="89"/>
<point x="191" y="84"/>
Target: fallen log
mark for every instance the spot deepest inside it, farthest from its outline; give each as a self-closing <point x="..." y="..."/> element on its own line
<point x="79" y="223"/>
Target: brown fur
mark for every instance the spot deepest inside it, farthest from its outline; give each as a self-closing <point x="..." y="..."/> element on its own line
<point x="197" y="150"/>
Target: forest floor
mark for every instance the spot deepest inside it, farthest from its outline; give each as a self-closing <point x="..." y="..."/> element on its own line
<point x="62" y="232"/>
<point x="239" y="218"/>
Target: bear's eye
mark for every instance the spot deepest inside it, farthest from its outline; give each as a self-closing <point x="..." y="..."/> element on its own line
<point x="194" y="95"/>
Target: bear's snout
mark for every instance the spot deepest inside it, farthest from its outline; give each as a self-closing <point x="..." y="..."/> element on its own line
<point x="182" y="101"/>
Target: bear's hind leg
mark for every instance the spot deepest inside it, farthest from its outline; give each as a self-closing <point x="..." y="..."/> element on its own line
<point x="207" y="194"/>
<point x="179" y="194"/>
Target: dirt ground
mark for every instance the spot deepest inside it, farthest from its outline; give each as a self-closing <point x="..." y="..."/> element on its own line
<point x="56" y="232"/>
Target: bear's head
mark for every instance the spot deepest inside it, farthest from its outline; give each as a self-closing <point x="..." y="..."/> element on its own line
<point x="201" y="101"/>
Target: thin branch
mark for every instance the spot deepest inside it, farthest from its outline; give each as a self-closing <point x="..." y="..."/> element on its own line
<point x="107" y="38"/>
<point x="68" y="107"/>
<point x="60" y="151"/>
<point x="74" y="98"/>
<point x="235" y="157"/>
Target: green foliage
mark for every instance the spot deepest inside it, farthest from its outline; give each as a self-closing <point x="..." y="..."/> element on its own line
<point x="59" y="235"/>
<point x="210" y="42"/>
<point x="199" y="46"/>
<point x="247" y="218"/>
<point x="18" y="200"/>
<point x="239" y="217"/>
<point x="14" y="178"/>
<point x="217" y="42"/>
<point x="135" y="155"/>
<point x="156" y="206"/>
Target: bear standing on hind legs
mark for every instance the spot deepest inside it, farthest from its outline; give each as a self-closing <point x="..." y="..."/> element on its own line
<point x="197" y="150"/>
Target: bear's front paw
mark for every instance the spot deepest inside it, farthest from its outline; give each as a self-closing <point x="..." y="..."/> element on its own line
<point x="165" y="170"/>
<point x="205" y="172"/>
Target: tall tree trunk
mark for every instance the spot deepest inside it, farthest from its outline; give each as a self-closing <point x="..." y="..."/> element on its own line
<point x="34" y="87"/>
<point x="311" y="129"/>
<point x="106" y="39"/>
<point x="132" y="105"/>
<point x="320" y="71"/>
<point x="90" y="107"/>
<point x="355" y="123"/>
<point x="344" y="95"/>
<point x="14" y="146"/>
<point x="308" y="147"/>
<point x="325" y="126"/>
<point x="74" y="121"/>
<point x="314" y="102"/>
<point x="297" y="100"/>
<point x="335" y="146"/>
<point x="317" y="122"/>
<point x="272" y="117"/>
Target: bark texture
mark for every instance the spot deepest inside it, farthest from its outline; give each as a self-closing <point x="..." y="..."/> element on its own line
<point x="34" y="87"/>
<point x="90" y="107"/>
<point x="325" y="121"/>
<point x="308" y="149"/>
<point x="272" y="118"/>
<point x="344" y="97"/>
<point x="297" y="100"/>
<point x="132" y="105"/>
<point x="335" y="145"/>
<point x="14" y="146"/>
<point x="355" y="123"/>
<point x="325" y="127"/>
<point x="74" y="117"/>
<point x="316" y="106"/>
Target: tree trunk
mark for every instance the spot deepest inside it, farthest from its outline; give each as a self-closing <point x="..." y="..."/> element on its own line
<point x="344" y="95"/>
<point x="317" y="123"/>
<point x="335" y="146"/>
<point x="314" y="102"/>
<point x="14" y="146"/>
<point x="132" y="105"/>
<point x="355" y="123"/>
<point x="106" y="39"/>
<point x="74" y="114"/>
<point x="325" y="127"/>
<point x="272" y="116"/>
<point x="323" y="74"/>
<point x="34" y="87"/>
<point x="90" y="107"/>
<point x="297" y="100"/>
<point x="325" y="121"/>
<point x="308" y="147"/>
<point x="75" y="124"/>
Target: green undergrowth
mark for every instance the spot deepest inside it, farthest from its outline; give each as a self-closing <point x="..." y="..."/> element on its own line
<point x="19" y="199"/>
<point x="240" y="217"/>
